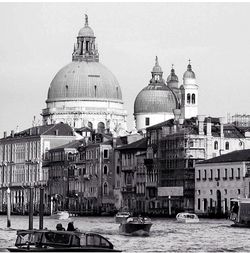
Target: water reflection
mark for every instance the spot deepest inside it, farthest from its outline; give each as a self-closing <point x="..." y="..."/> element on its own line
<point x="166" y="234"/>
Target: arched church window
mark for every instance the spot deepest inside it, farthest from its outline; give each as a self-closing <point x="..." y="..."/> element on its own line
<point x="66" y="90"/>
<point x="193" y="98"/>
<point x="100" y="127"/>
<point x="188" y="98"/>
<point x="117" y="94"/>
<point x="95" y="89"/>
<point x="105" y="170"/>
<point x="105" y="188"/>
<point x="216" y="145"/>
<point x="227" y="145"/>
<point x="90" y="125"/>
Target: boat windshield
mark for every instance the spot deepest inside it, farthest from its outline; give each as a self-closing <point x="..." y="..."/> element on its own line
<point x="61" y="239"/>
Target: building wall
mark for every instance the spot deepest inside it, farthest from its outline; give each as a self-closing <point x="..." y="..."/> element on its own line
<point x="154" y="118"/>
<point x="214" y="191"/>
<point x="110" y="113"/>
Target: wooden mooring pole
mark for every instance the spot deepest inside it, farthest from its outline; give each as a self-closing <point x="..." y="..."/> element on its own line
<point x="41" y="208"/>
<point x="8" y="208"/>
<point x="31" y="209"/>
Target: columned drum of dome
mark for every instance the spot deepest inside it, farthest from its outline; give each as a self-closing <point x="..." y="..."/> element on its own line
<point x="154" y="103"/>
<point x="85" y="92"/>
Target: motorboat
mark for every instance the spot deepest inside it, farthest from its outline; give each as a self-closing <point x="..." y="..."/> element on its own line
<point x="136" y="226"/>
<point x="187" y="218"/>
<point x="61" y="215"/>
<point x="121" y="217"/>
<point x="60" y="241"/>
<point x="240" y="213"/>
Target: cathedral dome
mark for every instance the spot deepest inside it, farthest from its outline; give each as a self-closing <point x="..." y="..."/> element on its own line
<point x="80" y="80"/>
<point x="154" y="99"/>
<point x="157" y="96"/>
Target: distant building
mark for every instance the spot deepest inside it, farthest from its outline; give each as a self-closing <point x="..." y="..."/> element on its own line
<point x="132" y="175"/>
<point x="220" y="179"/>
<point x="22" y="157"/>
<point x="85" y="93"/>
<point x="177" y="145"/>
<point x="155" y="103"/>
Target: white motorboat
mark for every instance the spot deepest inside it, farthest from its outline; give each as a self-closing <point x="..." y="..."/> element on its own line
<point x="121" y="217"/>
<point x="187" y="218"/>
<point x="61" y="215"/>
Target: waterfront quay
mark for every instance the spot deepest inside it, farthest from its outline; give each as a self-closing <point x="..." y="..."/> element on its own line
<point x="210" y="235"/>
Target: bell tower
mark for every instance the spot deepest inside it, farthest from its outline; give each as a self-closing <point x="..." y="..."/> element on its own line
<point x="189" y="94"/>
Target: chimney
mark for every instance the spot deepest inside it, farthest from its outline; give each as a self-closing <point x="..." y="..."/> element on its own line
<point x="12" y="133"/>
<point x="181" y="121"/>
<point x="222" y="122"/>
<point x="201" y="119"/>
<point x="114" y="142"/>
<point x="30" y="131"/>
<point x="4" y="134"/>
<point x="37" y="130"/>
<point x="177" y="114"/>
<point x="209" y="126"/>
<point x="56" y="132"/>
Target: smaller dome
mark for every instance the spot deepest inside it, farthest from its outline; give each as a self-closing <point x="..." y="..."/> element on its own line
<point x="86" y="31"/>
<point x="172" y="77"/>
<point x="189" y="73"/>
<point x="157" y="67"/>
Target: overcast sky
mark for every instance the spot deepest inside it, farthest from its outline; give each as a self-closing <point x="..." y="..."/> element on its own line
<point x="37" y="41"/>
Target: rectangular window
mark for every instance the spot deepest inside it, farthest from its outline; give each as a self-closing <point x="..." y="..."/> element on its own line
<point x="225" y="174"/>
<point x="238" y="173"/>
<point x="218" y="174"/>
<point x="199" y="204"/>
<point x="147" y="121"/>
<point x="205" y="175"/>
<point x="105" y="153"/>
<point x="232" y="173"/>
<point x="211" y="174"/>
<point x="199" y="175"/>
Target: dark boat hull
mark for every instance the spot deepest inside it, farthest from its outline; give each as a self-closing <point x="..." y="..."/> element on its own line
<point x="137" y="229"/>
<point x="240" y="225"/>
<point x="71" y="249"/>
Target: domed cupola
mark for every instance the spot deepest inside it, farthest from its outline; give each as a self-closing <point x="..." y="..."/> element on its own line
<point x="156" y="100"/>
<point x="85" y="92"/>
<point x="85" y="49"/>
<point x="172" y="79"/>
<point x="189" y="73"/>
<point x="86" y="31"/>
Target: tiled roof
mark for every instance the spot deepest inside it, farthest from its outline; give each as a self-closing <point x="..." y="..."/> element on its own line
<point x="72" y="144"/>
<point x="235" y="156"/>
<point x="230" y="130"/>
<point x="60" y="129"/>
<point x="138" y="145"/>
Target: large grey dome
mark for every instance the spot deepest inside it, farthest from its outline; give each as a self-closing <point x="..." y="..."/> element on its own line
<point x="80" y="80"/>
<point x="154" y="99"/>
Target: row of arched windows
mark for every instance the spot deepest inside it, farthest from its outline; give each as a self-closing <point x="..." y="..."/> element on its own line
<point x="216" y="146"/>
<point x="191" y="98"/>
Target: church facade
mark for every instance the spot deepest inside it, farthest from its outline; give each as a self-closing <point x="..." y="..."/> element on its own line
<point x="157" y="102"/>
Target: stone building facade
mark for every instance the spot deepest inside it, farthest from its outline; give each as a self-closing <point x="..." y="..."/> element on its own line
<point x="220" y="179"/>
<point x="22" y="160"/>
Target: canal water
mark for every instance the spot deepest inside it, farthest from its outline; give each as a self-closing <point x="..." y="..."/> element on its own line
<point x="166" y="234"/>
